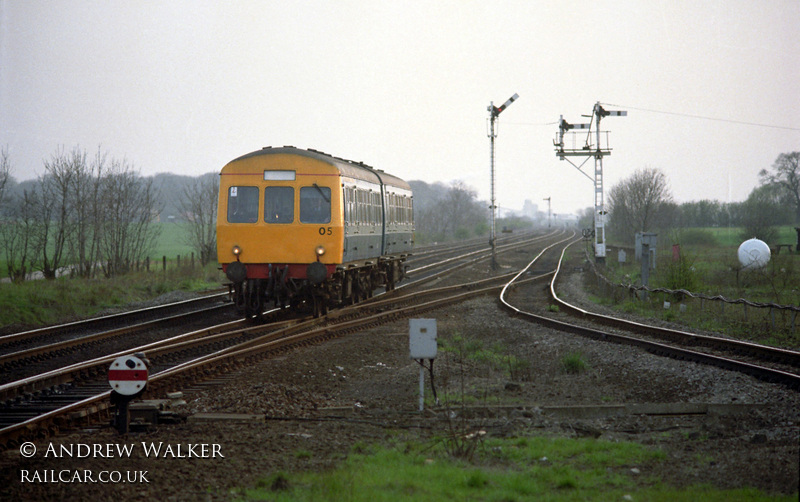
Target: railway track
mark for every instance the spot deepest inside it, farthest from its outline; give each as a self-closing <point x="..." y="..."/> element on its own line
<point x="38" y="358"/>
<point x="68" y="331"/>
<point x="33" y="352"/>
<point x="196" y="356"/>
<point x="38" y="405"/>
<point x="767" y="363"/>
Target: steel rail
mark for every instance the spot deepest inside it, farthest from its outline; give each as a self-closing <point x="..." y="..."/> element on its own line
<point x="506" y="247"/>
<point x="59" y="347"/>
<point x="764" y="352"/>
<point x="184" y="341"/>
<point x="276" y="341"/>
<point x="86" y="323"/>
<point x="269" y="343"/>
<point x="263" y="343"/>
<point x="767" y="374"/>
<point x="476" y="242"/>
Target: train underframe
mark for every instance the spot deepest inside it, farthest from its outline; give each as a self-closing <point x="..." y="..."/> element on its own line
<point x="349" y="284"/>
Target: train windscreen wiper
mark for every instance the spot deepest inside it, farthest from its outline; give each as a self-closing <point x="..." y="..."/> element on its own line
<point x="322" y="193"/>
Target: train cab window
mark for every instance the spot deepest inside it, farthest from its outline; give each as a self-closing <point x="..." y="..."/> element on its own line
<point x="315" y="204"/>
<point x="279" y="204"/>
<point x="242" y="204"/>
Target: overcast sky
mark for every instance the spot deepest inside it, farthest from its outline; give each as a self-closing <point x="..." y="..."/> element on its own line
<point x="711" y="88"/>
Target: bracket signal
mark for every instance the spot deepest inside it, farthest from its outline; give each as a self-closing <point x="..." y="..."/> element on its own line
<point x="588" y="150"/>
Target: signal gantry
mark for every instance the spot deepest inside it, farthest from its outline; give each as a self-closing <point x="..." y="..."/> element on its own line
<point x="588" y="149"/>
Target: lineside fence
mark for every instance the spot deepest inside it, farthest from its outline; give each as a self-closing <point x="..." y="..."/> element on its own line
<point x="706" y="309"/>
<point x="146" y="265"/>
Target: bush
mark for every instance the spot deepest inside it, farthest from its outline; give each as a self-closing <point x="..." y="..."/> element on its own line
<point x="680" y="274"/>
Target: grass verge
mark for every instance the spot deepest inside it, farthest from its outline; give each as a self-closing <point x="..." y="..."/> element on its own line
<point x="528" y="468"/>
<point x="39" y="303"/>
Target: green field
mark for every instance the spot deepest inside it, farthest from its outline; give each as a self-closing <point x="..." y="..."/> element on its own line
<point x="170" y="243"/>
<point x="732" y="236"/>
<point x="709" y="265"/>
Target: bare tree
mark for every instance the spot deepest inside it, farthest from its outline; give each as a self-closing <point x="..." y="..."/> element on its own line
<point x="55" y="208"/>
<point x="17" y="233"/>
<point x="786" y="175"/>
<point x="429" y="222"/>
<point x="639" y="203"/>
<point x="88" y="212"/>
<point x="442" y="212"/>
<point x="130" y="205"/>
<point x="456" y="209"/>
<point x="198" y="203"/>
<point x="5" y="171"/>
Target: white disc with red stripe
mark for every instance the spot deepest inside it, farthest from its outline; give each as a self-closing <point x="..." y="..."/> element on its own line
<point x="127" y="375"/>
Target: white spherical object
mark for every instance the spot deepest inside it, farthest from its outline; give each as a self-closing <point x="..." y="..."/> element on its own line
<point x="754" y="253"/>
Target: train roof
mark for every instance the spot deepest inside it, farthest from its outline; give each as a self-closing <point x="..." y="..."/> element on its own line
<point x="346" y="167"/>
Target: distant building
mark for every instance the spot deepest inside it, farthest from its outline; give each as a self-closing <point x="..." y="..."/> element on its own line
<point x="530" y="209"/>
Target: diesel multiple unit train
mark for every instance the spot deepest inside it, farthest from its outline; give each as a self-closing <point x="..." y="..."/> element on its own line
<point x="302" y="228"/>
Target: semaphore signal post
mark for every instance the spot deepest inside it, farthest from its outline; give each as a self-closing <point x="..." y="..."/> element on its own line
<point x="567" y="146"/>
<point x="495" y="112"/>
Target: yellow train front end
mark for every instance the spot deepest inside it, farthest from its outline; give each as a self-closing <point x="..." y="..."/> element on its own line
<point x="279" y="224"/>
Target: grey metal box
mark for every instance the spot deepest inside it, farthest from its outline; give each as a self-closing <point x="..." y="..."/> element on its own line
<point x="422" y="338"/>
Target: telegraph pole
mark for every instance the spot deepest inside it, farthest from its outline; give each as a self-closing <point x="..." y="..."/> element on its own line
<point x="494" y="112"/>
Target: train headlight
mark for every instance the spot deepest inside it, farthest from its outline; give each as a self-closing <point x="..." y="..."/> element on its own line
<point x="236" y="251"/>
<point x="320" y="250"/>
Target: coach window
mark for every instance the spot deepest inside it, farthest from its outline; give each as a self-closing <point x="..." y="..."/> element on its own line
<point x="279" y="204"/>
<point x="351" y="206"/>
<point x="242" y="204"/>
<point x="359" y="207"/>
<point x="315" y="204"/>
<point x="374" y="202"/>
<point x="346" y="210"/>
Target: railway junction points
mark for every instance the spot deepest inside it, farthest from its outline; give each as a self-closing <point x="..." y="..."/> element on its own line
<point x="307" y="409"/>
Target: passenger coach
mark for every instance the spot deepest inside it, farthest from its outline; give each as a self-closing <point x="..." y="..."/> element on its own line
<point x="300" y="227"/>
